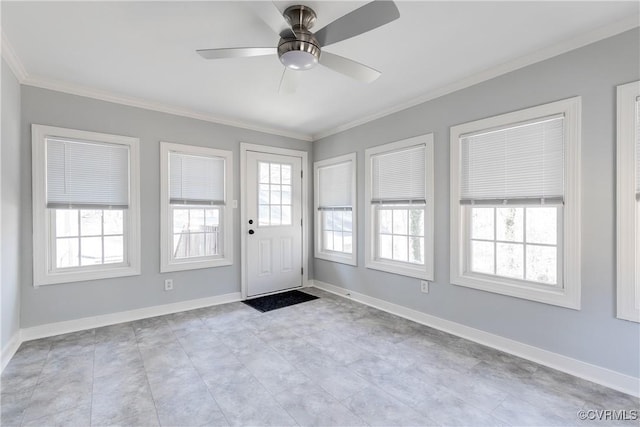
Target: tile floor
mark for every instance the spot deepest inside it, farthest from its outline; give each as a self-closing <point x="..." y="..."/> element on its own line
<point x="329" y="362"/>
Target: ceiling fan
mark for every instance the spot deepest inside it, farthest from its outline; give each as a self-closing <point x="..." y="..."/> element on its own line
<point x="300" y="49"/>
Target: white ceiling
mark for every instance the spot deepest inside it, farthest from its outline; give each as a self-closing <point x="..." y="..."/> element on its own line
<point x="146" y="51"/>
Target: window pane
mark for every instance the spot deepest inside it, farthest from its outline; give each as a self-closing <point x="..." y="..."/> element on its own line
<point x="400" y="248"/>
<point x="263" y="196"/>
<point x="542" y="225"/>
<point x="211" y="247"/>
<point x="416" y="222"/>
<point x="113" y="249"/>
<point x="385" y="219"/>
<point x="482" y="223"/>
<point x="180" y="245"/>
<point x="66" y="222"/>
<point x="286" y="194"/>
<point x="385" y="249"/>
<point x="113" y="222"/>
<point x="337" y="241"/>
<point x="275" y="195"/>
<point x="196" y="245"/>
<point x="212" y="218"/>
<point x="90" y="222"/>
<point x="286" y="174"/>
<point x="67" y="254"/>
<point x="347" y="242"/>
<point x="263" y="215"/>
<point x="347" y="221"/>
<point x="416" y="250"/>
<point x="196" y="219"/>
<point x="399" y="222"/>
<point x="328" y="240"/>
<point x="482" y="257"/>
<point x="327" y="217"/>
<point x="180" y="220"/>
<point x="264" y="172"/>
<point x="337" y="220"/>
<point x="90" y="250"/>
<point x="509" y="260"/>
<point x="509" y="224"/>
<point x="286" y="215"/>
<point x="275" y="173"/>
<point x="542" y="264"/>
<point x="275" y="215"/>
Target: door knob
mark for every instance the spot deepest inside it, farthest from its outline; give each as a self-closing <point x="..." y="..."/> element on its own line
<point x="251" y="231"/>
<point x="250" y="221"/>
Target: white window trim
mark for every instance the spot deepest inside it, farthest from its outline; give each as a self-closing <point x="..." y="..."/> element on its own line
<point x="43" y="273"/>
<point x="628" y="272"/>
<point x="569" y="295"/>
<point x="166" y="262"/>
<point x="341" y="257"/>
<point x="425" y="272"/>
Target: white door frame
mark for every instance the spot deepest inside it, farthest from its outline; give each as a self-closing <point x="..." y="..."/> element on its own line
<point x="244" y="226"/>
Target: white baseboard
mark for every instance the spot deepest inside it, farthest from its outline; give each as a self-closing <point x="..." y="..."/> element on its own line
<point x="58" y="328"/>
<point x="606" y="377"/>
<point x="10" y="349"/>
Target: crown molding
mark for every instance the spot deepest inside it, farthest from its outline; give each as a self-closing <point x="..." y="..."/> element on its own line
<point x="584" y="39"/>
<point x="9" y="55"/>
<point x="130" y="101"/>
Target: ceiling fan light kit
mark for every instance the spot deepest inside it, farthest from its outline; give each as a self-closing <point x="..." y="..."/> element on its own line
<point x="300" y="49"/>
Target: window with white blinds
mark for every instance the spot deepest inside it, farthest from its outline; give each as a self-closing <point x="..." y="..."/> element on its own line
<point x="86" y="174"/>
<point x="520" y="163"/>
<point x="515" y="203"/>
<point x="86" y="205"/>
<point x="334" y="190"/>
<point x="399" y="176"/>
<point x="628" y="202"/>
<point x="196" y="218"/>
<point x="196" y="180"/>
<point x="399" y="218"/>
<point x="637" y="129"/>
<point x="335" y="210"/>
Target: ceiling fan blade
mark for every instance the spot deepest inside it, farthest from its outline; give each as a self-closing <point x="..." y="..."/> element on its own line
<point x="289" y="81"/>
<point x="271" y="15"/>
<point x="350" y="68"/>
<point x="236" y="52"/>
<point x="366" y="18"/>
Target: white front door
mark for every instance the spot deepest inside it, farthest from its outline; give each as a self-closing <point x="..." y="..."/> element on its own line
<point x="274" y="223"/>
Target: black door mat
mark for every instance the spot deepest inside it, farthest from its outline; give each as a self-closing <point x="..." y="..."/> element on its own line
<point x="274" y="302"/>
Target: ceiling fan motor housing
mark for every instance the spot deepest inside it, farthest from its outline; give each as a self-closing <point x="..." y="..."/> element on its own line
<point x="303" y="51"/>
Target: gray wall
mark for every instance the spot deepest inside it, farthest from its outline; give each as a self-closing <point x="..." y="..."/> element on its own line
<point x="11" y="186"/>
<point x="592" y="334"/>
<point x="61" y="302"/>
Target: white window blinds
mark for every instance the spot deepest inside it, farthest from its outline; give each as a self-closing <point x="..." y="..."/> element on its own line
<point x="334" y="186"/>
<point x="519" y="163"/>
<point x="86" y="174"/>
<point x="196" y="179"/>
<point x="638" y="148"/>
<point x="399" y="176"/>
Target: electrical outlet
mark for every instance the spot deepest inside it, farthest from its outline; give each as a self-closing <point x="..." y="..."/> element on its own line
<point x="168" y="285"/>
<point x="424" y="286"/>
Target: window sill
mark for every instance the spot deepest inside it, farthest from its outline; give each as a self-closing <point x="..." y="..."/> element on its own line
<point x="195" y="265"/>
<point x="83" y="276"/>
<point x="419" y="272"/>
<point x="554" y="296"/>
<point x="349" y="259"/>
